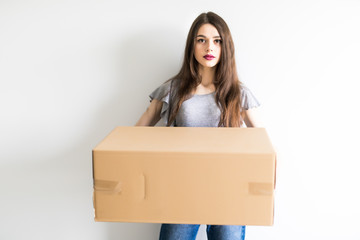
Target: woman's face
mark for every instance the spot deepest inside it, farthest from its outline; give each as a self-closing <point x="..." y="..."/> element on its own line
<point x="207" y="46"/>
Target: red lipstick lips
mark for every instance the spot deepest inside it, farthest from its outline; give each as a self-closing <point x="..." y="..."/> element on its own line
<point x="209" y="57"/>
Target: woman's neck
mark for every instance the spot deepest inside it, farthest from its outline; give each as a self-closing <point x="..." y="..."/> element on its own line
<point x="207" y="81"/>
<point x="207" y="76"/>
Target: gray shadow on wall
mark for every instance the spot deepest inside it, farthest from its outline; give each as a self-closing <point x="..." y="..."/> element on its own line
<point x="147" y="59"/>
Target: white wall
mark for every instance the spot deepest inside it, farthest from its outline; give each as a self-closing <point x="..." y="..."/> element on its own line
<point x="70" y="71"/>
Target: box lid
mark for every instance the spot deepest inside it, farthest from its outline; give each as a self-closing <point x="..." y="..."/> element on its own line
<point x="164" y="139"/>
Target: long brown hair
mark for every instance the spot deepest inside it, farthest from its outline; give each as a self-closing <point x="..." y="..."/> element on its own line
<point x="226" y="81"/>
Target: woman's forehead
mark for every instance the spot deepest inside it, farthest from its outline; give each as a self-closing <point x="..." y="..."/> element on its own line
<point x="208" y="30"/>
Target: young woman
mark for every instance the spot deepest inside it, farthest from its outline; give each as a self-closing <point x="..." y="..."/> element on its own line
<point x="205" y="93"/>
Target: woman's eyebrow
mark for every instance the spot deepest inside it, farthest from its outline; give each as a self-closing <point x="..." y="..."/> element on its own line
<point x="206" y="37"/>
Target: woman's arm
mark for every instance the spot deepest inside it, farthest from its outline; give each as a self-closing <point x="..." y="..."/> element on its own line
<point x="252" y="118"/>
<point x="152" y="114"/>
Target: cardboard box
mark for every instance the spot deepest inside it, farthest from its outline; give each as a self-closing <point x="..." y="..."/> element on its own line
<point x="185" y="175"/>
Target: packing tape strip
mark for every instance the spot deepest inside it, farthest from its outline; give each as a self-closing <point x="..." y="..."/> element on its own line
<point x="107" y="186"/>
<point x="261" y="188"/>
<point x="114" y="187"/>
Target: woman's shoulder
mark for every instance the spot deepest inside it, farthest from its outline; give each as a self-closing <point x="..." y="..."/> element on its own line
<point x="243" y="87"/>
<point x="248" y="99"/>
<point x="161" y="91"/>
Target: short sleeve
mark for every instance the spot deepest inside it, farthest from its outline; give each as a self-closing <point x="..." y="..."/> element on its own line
<point x="248" y="100"/>
<point x="162" y="93"/>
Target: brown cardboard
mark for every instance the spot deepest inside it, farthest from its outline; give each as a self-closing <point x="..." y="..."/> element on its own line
<point x="185" y="175"/>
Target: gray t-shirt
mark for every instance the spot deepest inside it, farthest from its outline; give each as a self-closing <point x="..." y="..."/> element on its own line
<point x="199" y="110"/>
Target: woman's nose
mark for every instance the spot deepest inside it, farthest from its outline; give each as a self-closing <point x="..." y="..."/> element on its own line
<point x="209" y="47"/>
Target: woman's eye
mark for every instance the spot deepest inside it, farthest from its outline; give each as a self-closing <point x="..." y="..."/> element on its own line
<point x="201" y="40"/>
<point x="217" y="41"/>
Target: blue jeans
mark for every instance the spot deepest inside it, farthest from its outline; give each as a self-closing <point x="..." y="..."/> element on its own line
<point x="189" y="232"/>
